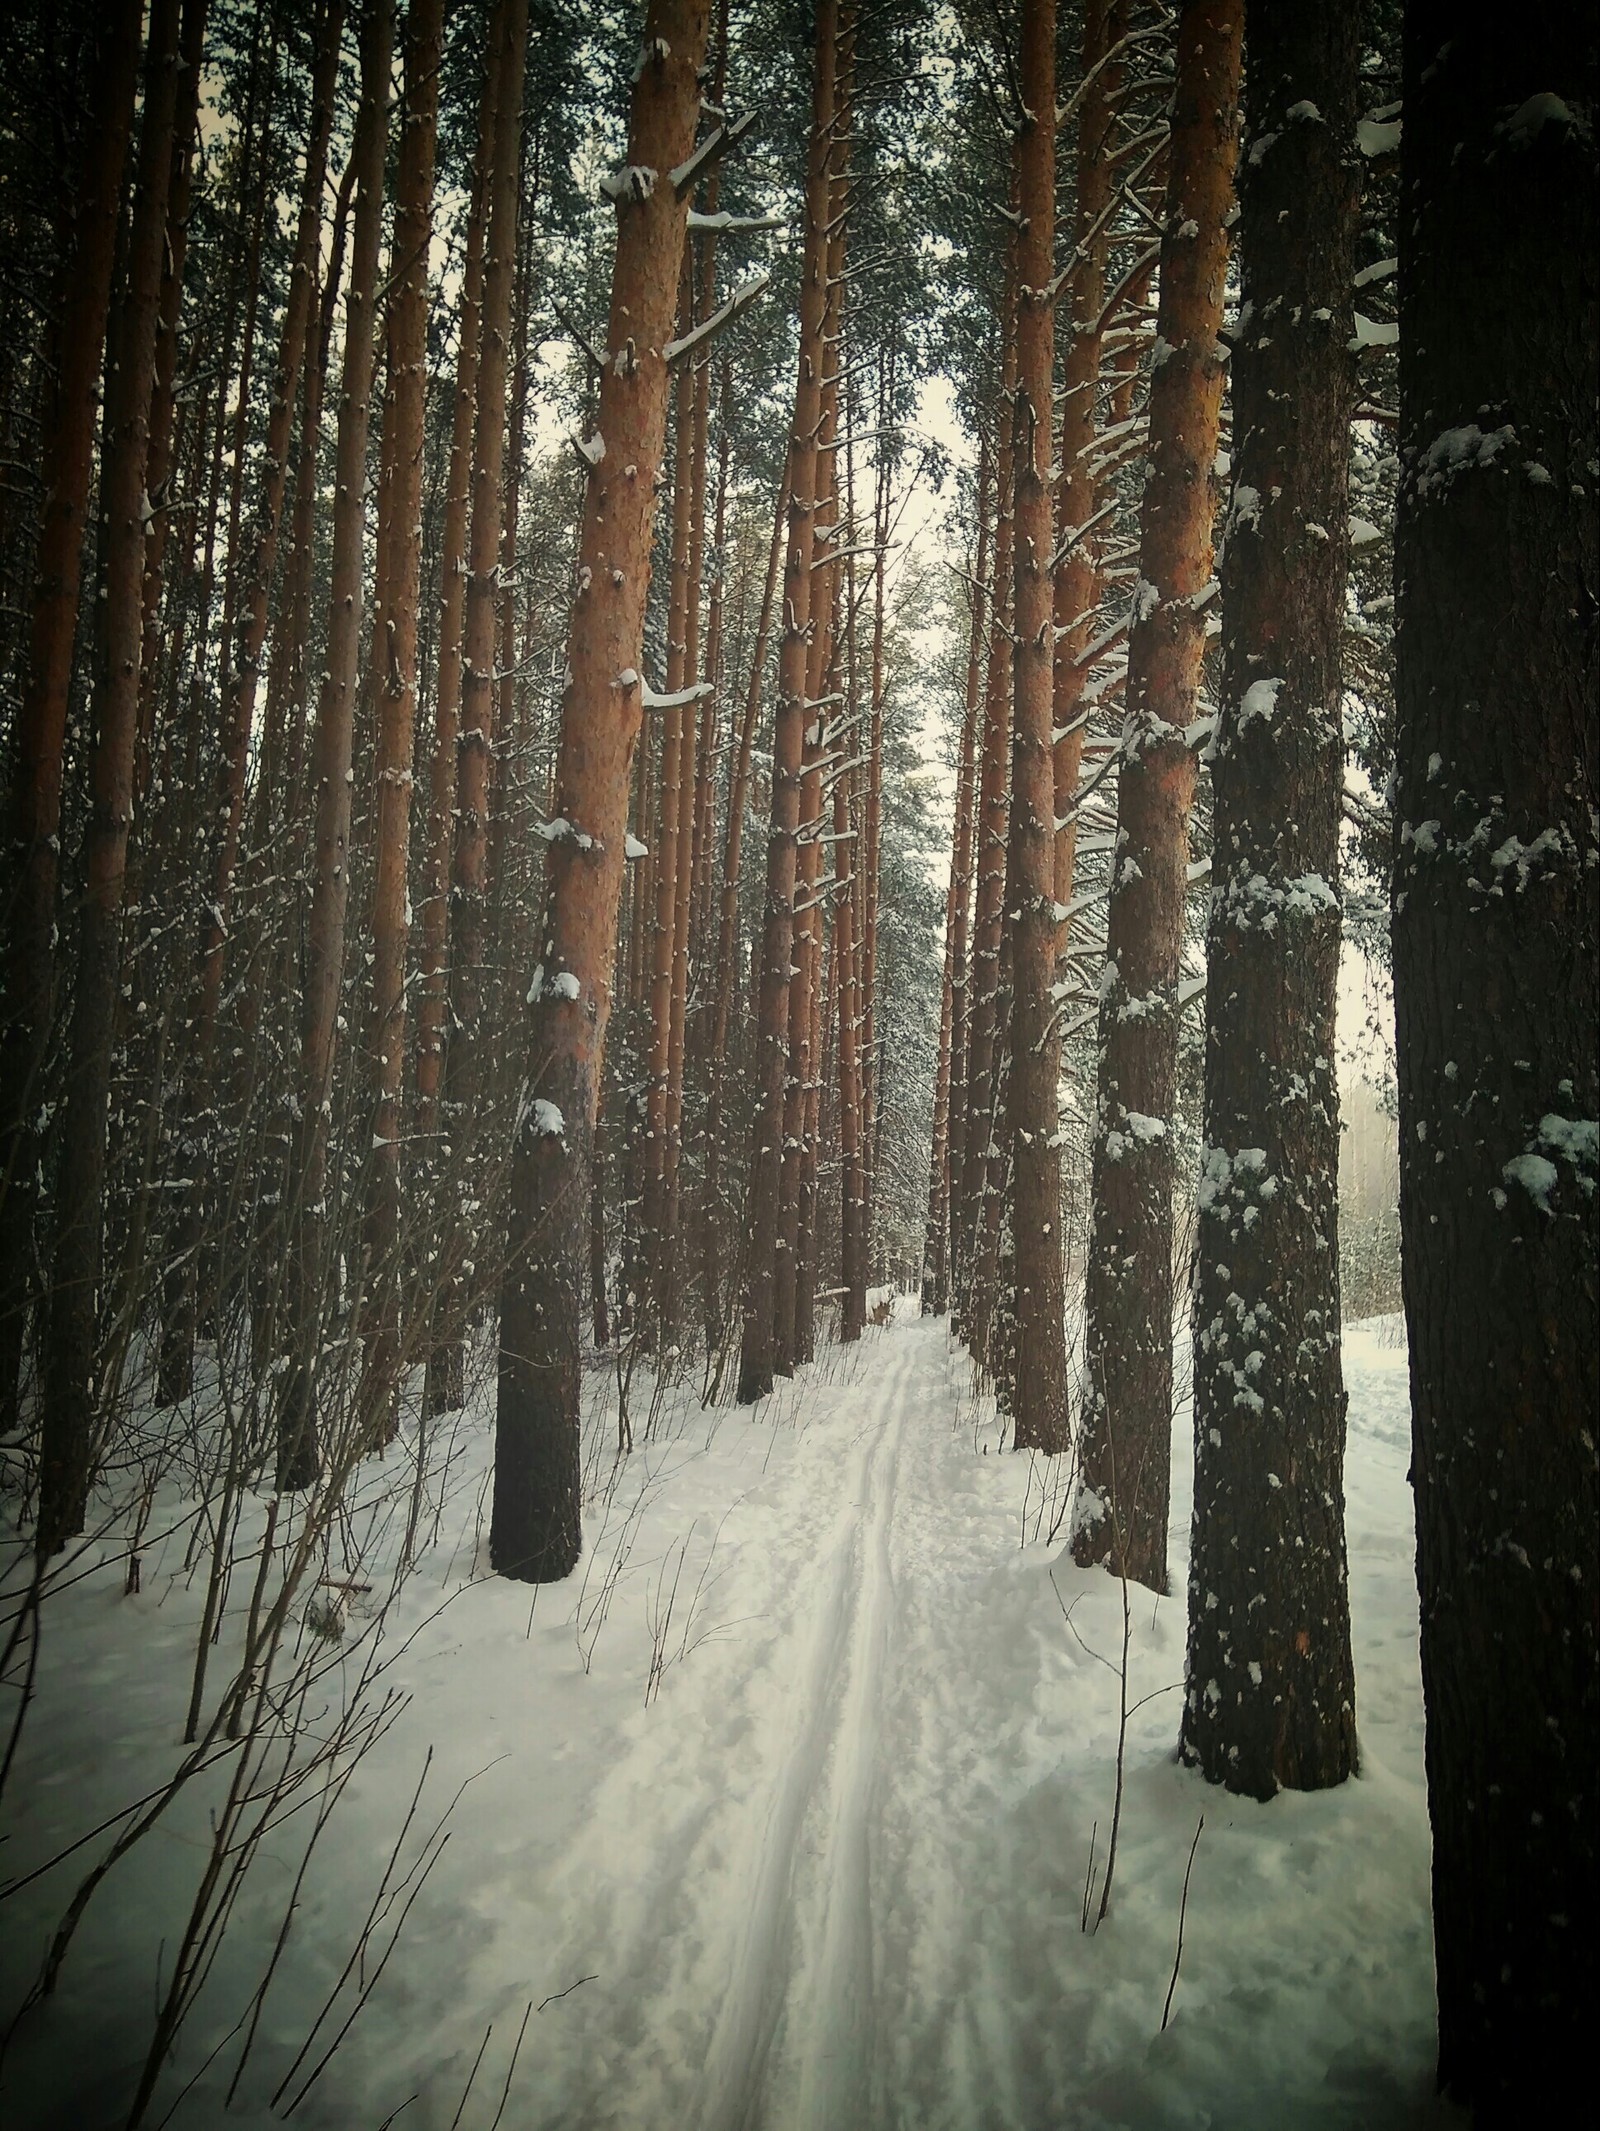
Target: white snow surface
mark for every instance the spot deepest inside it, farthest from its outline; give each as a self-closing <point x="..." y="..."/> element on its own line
<point x="830" y="1878"/>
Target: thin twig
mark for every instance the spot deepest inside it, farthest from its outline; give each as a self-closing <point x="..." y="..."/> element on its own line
<point x="567" y="1993"/>
<point x="1183" y="1906"/>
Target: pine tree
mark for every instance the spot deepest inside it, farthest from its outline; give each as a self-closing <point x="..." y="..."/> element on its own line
<point x="196" y="1135"/>
<point x="70" y="1359"/>
<point x="332" y="769"/>
<point x="399" y="574"/>
<point x="1270" y="1699"/>
<point x="475" y="736"/>
<point x="1497" y="554"/>
<point x="535" y="1530"/>
<point x="758" y="1352"/>
<point x="1039" y="1392"/>
<point x="35" y="799"/>
<point x="1127" y="1422"/>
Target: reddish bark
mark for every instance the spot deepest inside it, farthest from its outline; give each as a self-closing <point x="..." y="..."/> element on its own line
<point x="1039" y="1389"/>
<point x="469" y="872"/>
<point x="434" y="909"/>
<point x="1127" y="1423"/>
<point x="757" y="1359"/>
<point x="975" y="1279"/>
<point x="70" y="1374"/>
<point x="35" y="798"/>
<point x="395" y="655"/>
<point x="725" y="968"/>
<point x="332" y="770"/>
<point x="949" y="1085"/>
<point x="196" y="1132"/>
<point x="535" y="1529"/>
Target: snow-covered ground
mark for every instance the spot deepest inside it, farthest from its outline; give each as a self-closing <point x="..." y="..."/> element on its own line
<point x="778" y="1814"/>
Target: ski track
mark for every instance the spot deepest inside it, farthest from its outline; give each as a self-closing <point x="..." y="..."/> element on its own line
<point x="759" y="2018"/>
<point x="820" y="2004"/>
<point x="830" y="1875"/>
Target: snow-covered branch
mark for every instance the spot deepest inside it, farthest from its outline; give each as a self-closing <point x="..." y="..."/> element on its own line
<point x="716" y="143"/>
<point x="708" y="328"/>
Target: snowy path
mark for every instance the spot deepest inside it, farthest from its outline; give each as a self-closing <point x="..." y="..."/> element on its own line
<point x="832" y="1880"/>
<point x="814" y="1846"/>
<point x="829" y="1877"/>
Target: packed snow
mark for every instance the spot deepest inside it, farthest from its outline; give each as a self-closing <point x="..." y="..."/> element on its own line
<point x="778" y="1813"/>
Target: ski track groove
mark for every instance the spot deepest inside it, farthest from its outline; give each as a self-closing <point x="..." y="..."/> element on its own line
<point x="820" y="2010"/>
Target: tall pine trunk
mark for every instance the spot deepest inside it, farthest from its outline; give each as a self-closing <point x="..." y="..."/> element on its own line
<point x="67" y="466"/>
<point x="395" y="657"/>
<point x="469" y="867"/>
<point x="535" y="1532"/>
<point x="975" y="1284"/>
<point x="71" y="1386"/>
<point x="1077" y="583"/>
<point x="1127" y="1420"/>
<point x="197" y="1133"/>
<point x="434" y="908"/>
<point x="669" y="848"/>
<point x="1270" y="1700"/>
<point x="1496" y="564"/>
<point x="725" y="970"/>
<point x="331" y="764"/>
<point x="950" y="1075"/>
<point x="758" y="1354"/>
<point x="1039" y="1391"/>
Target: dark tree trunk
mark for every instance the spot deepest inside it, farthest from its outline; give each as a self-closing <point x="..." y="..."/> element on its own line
<point x="71" y="1386"/>
<point x="535" y="1532"/>
<point x="196" y="1141"/>
<point x="469" y="873"/>
<point x="1039" y="1392"/>
<point x="395" y="659"/>
<point x="332" y="745"/>
<point x="950" y="1073"/>
<point x="35" y="803"/>
<point x="757" y="1356"/>
<point x="726" y="968"/>
<point x="1127" y="1419"/>
<point x="974" y="1293"/>
<point x="434" y="909"/>
<point x="1270" y="1699"/>
<point x="1497" y="562"/>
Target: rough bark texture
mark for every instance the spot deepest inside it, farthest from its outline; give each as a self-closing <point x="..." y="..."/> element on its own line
<point x="950" y="1075"/>
<point x="1495" y="920"/>
<point x="797" y="1181"/>
<point x="1039" y="1391"/>
<point x="434" y="911"/>
<point x="35" y="800"/>
<point x="1270" y="1696"/>
<point x="757" y="1353"/>
<point x="535" y="1530"/>
<point x="475" y="739"/>
<point x="726" y="970"/>
<point x="395" y="658"/>
<point x="670" y="846"/>
<point x="1077" y="577"/>
<point x="870" y="826"/>
<point x="332" y="743"/>
<point x="974" y="1294"/>
<point x="196" y="1136"/>
<point x="1127" y="1421"/>
<point x="70" y="1359"/>
<point x="164" y="426"/>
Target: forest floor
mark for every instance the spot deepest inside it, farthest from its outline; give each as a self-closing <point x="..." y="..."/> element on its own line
<point x="777" y="1817"/>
